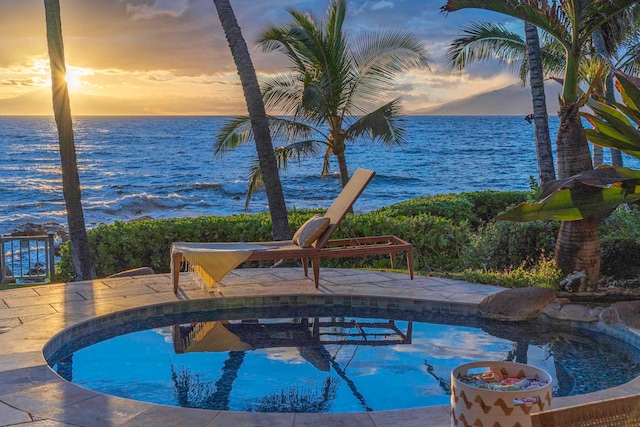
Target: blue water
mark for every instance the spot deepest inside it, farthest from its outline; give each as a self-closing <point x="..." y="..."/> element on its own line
<point x="164" y="167"/>
<point x="249" y="365"/>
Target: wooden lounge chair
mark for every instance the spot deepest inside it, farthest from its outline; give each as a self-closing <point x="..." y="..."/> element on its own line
<point x="615" y="412"/>
<point x="323" y="247"/>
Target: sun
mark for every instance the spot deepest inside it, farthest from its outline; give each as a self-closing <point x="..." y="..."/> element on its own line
<point x="74" y="82"/>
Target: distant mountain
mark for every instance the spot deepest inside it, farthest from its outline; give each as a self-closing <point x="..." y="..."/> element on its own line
<point x="509" y="101"/>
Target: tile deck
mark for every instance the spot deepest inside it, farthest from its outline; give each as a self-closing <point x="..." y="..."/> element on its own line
<point x="32" y="395"/>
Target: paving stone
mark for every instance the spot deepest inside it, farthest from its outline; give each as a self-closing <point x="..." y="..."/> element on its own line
<point x="227" y="419"/>
<point x="11" y="313"/>
<point x="41" y="300"/>
<point x="433" y="416"/>
<point x="351" y="419"/>
<point x="10" y="415"/>
<point x="44" y="423"/>
<point x="97" y="411"/>
<point x="160" y="415"/>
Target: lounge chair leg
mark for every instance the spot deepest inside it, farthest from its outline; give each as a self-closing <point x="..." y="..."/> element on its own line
<point x="315" y="264"/>
<point x="410" y="262"/>
<point x="175" y="271"/>
<point x="305" y="266"/>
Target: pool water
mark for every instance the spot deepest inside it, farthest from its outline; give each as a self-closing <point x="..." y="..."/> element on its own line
<point x="338" y="362"/>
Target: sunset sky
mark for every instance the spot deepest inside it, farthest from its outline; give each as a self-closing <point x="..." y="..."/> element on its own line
<point x="171" y="56"/>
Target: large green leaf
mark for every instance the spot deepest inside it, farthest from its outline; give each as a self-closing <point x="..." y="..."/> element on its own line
<point x="615" y="124"/>
<point x="590" y="194"/>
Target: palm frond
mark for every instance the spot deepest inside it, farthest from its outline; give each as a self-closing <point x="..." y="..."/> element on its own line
<point x="282" y="94"/>
<point x="233" y="133"/>
<point x="285" y="130"/>
<point x="550" y="18"/>
<point x="483" y="41"/>
<point x="379" y="57"/>
<point x="602" y="14"/>
<point x="295" y="151"/>
<point x="629" y="61"/>
<point x="383" y="124"/>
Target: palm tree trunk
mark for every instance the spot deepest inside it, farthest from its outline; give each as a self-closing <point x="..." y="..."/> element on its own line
<point x="259" y="122"/>
<point x="82" y="261"/>
<point x="578" y="243"/>
<point x="601" y="50"/>
<point x="578" y="249"/>
<point x="546" y="170"/>
<point x="609" y="93"/>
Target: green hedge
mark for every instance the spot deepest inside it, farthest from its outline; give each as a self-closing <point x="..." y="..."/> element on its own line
<point x="449" y="232"/>
<point x="475" y="208"/>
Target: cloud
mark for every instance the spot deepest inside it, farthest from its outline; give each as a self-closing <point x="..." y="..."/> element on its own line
<point x="22" y="82"/>
<point x="382" y="5"/>
<point x="172" y="8"/>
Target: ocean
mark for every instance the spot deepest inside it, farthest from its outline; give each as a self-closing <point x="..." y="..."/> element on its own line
<point x="162" y="167"/>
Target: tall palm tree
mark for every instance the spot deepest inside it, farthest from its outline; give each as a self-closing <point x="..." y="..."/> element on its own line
<point x="268" y="166"/>
<point x="572" y="23"/>
<point x="486" y="41"/>
<point x="82" y="261"/>
<point x="540" y="116"/>
<point x="332" y="94"/>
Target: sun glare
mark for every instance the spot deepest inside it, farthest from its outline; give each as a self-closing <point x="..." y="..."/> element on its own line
<point x="74" y="83"/>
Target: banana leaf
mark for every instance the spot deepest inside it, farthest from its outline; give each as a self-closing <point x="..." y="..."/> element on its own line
<point x="615" y="125"/>
<point x="591" y="194"/>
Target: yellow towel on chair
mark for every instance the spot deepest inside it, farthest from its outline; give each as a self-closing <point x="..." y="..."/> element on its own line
<point x="212" y="261"/>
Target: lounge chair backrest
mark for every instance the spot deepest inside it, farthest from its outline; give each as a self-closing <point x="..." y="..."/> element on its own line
<point x="344" y="202"/>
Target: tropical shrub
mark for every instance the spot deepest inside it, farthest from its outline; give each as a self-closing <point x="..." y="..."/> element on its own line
<point x="506" y="245"/>
<point x="620" y="258"/>
<point x="473" y="207"/>
<point x="544" y="273"/>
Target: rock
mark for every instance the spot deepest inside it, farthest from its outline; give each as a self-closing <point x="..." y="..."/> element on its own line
<point x="514" y="305"/>
<point x="626" y="313"/>
<point x="572" y="312"/>
<point x="142" y="271"/>
<point x="32" y="229"/>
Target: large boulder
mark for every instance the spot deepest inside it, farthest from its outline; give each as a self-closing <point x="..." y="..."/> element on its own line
<point x="515" y="305"/>
<point x="562" y="310"/>
<point x="626" y="313"/>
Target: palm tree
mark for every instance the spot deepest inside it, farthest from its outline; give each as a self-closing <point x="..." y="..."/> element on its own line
<point x="571" y="23"/>
<point x="268" y="166"/>
<point x="82" y="261"/>
<point x="485" y="41"/>
<point x="332" y="94"/>
<point x="540" y="117"/>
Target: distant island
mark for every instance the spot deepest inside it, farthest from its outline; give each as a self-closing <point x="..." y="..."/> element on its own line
<point x="512" y="100"/>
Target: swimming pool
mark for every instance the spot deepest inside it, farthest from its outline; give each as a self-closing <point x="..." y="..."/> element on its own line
<point x="324" y="357"/>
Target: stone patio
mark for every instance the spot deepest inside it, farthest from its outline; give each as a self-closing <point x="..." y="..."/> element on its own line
<point x="31" y="394"/>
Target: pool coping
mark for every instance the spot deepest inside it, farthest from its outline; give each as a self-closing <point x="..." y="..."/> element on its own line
<point x="32" y="394"/>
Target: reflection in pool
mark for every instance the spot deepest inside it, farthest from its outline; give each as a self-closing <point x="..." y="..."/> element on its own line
<point x="339" y="362"/>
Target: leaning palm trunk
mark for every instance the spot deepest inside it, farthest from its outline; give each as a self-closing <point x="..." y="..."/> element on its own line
<point x="82" y="261"/>
<point x="541" y="119"/>
<point x="601" y="50"/>
<point x="609" y="93"/>
<point x="338" y="147"/>
<point x="258" y="117"/>
<point x="578" y="243"/>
